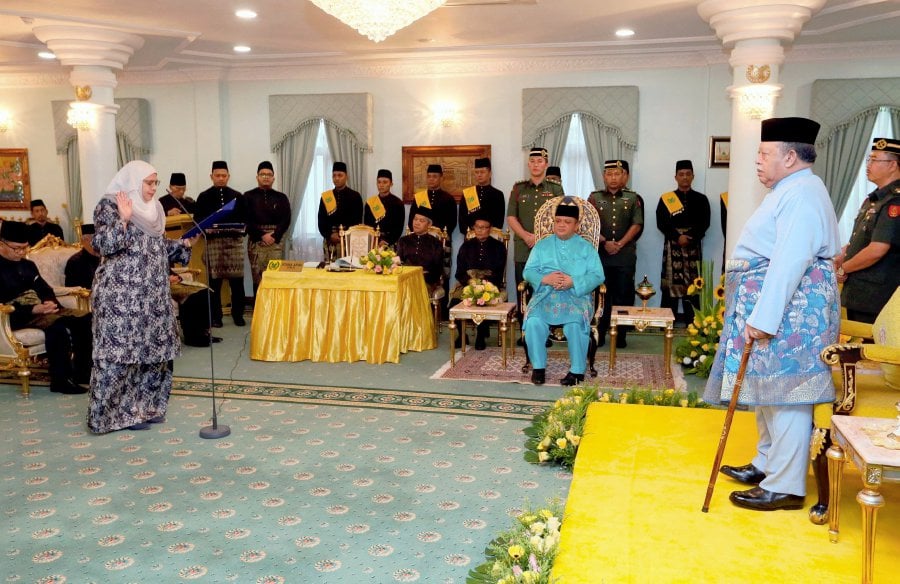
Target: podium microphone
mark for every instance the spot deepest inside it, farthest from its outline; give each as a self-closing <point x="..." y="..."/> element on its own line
<point x="214" y="430"/>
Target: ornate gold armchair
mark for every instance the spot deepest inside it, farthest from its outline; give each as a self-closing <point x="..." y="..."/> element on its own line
<point x="356" y="241"/>
<point x="589" y="229"/>
<point x="872" y="393"/>
<point x="50" y="256"/>
<point x="437" y="293"/>
<point x="501" y="235"/>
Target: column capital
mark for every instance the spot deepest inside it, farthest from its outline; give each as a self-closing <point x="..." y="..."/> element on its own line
<point x="737" y="20"/>
<point x="76" y="45"/>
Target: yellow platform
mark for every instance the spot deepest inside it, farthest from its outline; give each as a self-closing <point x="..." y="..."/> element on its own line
<point x="633" y="511"/>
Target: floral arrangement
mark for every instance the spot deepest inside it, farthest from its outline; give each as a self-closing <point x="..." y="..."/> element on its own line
<point x="480" y="292"/>
<point x="381" y="260"/>
<point x="555" y="434"/>
<point x="697" y="350"/>
<point x="523" y="553"/>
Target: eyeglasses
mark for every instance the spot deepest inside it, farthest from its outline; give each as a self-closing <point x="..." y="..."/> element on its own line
<point x="18" y="248"/>
<point x="870" y="160"/>
<point x="151" y="183"/>
<point x="265" y="175"/>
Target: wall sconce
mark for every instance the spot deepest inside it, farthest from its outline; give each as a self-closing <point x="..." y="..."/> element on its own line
<point x="5" y="121"/>
<point x="81" y="116"/>
<point x="756" y="101"/>
<point x="446" y="114"/>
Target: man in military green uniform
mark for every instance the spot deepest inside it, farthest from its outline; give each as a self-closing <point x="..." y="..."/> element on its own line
<point x="621" y="222"/>
<point x="869" y="266"/>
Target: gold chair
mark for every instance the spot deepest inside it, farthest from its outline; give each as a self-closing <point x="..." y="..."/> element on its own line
<point x="437" y="293"/>
<point x="872" y="394"/>
<point x="358" y="240"/>
<point x="501" y="235"/>
<point x="50" y="256"/>
<point x="589" y="229"/>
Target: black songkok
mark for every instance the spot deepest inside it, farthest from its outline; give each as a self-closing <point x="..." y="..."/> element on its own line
<point x="14" y="231"/>
<point x="435" y="168"/>
<point x="483" y="163"/>
<point x="425" y="212"/>
<point x="37" y="203"/>
<point x="87" y="229"/>
<point x="623" y="164"/>
<point x="479" y="215"/>
<point x="799" y="130"/>
<point x="684" y="165"/>
<point x="891" y="145"/>
<point x="178" y="179"/>
<point x="568" y="207"/>
<point x="339" y="167"/>
<point x="217" y="164"/>
<point x="385" y="173"/>
<point x="554" y="171"/>
<point x="265" y="164"/>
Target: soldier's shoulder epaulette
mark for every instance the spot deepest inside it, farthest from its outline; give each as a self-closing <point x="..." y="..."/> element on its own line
<point x="553" y="180"/>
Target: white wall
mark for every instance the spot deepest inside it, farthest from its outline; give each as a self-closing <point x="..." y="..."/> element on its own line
<point x="197" y="122"/>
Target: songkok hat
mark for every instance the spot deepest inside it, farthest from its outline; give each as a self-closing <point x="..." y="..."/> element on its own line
<point x="435" y="168"/>
<point x="14" y="231"/>
<point x="623" y="164"/>
<point x="553" y="171"/>
<point x="385" y="173"/>
<point x="424" y="212"/>
<point x="483" y="163"/>
<point x="684" y="165"/>
<point x="479" y="215"/>
<point x="178" y="179"/>
<point x="37" y="203"/>
<point x="886" y="145"/>
<point x="568" y="207"/>
<point x="217" y="164"/>
<point x="800" y="130"/>
<point x="339" y="167"/>
<point x="539" y="151"/>
<point x="87" y="229"/>
<point x="265" y="164"/>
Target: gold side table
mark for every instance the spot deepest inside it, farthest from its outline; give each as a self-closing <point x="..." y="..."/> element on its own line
<point x="640" y="319"/>
<point x="503" y="312"/>
<point x="851" y="438"/>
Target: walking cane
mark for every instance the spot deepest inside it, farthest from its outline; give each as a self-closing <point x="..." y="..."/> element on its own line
<point x="729" y="416"/>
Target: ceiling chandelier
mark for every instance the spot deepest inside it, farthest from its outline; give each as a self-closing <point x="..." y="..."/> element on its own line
<point x="378" y="19"/>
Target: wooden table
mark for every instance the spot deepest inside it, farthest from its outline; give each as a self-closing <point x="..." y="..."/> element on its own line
<point x="341" y="316"/>
<point x="876" y="464"/>
<point x="503" y="312"/>
<point x="641" y="318"/>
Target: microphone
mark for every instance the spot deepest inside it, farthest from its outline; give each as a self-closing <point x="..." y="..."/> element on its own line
<point x="214" y="430"/>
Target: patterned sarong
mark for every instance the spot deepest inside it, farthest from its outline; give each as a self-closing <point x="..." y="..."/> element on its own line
<point x="680" y="266"/>
<point x="226" y="258"/>
<point x="786" y="369"/>
<point x="260" y="255"/>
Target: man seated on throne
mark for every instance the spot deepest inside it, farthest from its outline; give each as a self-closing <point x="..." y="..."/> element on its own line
<point x="482" y="257"/>
<point x="563" y="269"/>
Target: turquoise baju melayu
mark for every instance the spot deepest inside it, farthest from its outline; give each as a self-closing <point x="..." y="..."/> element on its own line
<point x="571" y="308"/>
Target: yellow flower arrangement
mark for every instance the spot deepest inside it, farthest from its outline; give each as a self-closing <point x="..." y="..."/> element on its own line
<point x="480" y="292"/>
<point x="697" y="350"/>
<point x="382" y="260"/>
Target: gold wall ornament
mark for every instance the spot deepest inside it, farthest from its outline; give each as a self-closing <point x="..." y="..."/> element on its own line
<point x="83" y="92"/>
<point x="758" y="73"/>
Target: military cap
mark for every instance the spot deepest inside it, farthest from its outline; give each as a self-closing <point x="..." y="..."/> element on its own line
<point x="891" y="145"/>
<point x="265" y="164"/>
<point x="339" y="167"/>
<point x="684" y="165"/>
<point x="217" y="164"/>
<point x="435" y="168"/>
<point x="385" y="173"/>
<point x="14" y="231"/>
<point x="37" y="203"/>
<point x="178" y="180"/>
<point x="539" y="151"/>
<point x="483" y="163"/>
<point x="799" y="130"/>
<point x="568" y="207"/>
<point x="623" y="164"/>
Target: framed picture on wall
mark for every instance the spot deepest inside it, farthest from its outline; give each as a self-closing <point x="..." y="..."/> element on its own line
<point x="15" y="188"/>
<point x="719" y="151"/>
<point x="456" y="161"/>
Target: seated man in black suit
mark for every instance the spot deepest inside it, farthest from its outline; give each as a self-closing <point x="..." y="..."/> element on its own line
<point x="40" y="226"/>
<point x="67" y="331"/>
<point x="482" y="257"/>
<point x="81" y="266"/>
<point x="419" y="248"/>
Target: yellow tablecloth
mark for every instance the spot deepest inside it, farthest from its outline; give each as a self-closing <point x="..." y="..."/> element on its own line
<point x="341" y="316"/>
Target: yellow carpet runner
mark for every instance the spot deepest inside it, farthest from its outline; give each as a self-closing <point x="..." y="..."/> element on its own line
<point x="633" y="511"/>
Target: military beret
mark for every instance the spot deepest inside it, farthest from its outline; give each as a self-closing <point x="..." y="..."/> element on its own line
<point x="435" y="168"/>
<point x="800" y="130"/>
<point x="623" y="164"/>
<point x="891" y="145"/>
<point x="385" y="173"/>
<point x="14" y="231"/>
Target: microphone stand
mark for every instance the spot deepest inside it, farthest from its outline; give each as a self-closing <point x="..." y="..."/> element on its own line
<point x="214" y="430"/>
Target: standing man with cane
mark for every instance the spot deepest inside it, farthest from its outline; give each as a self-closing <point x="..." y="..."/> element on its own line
<point x="781" y="292"/>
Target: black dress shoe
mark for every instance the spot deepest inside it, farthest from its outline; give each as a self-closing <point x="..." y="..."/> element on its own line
<point x="480" y="343"/>
<point x="67" y="386"/>
<point x="747" y="474"/>
<point x="215" y="339"/>
<point x="572" y="378"/>
<point x="548" y="343"/>
<point x="602" y="341"/>
<point x="239" y="320"/>
<point x="520" y="342"/>
<point x="620" y="342"/>
<point x="537" y="377"/>
<point x="139" y="426"/>
<point x="760" y="499"/>
<point x="198" y="342"/>
<point x="217" y="323"/>
<point x="457" y="343"/>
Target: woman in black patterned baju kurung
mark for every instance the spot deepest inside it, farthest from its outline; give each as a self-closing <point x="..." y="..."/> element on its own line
<point x="135" y="333"/>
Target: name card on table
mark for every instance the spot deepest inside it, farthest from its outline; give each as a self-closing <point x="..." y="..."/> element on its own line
<point x="285" y="266"/>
